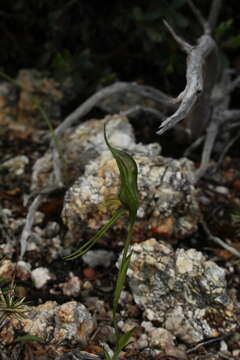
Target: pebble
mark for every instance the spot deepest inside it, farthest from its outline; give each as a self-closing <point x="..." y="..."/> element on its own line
<point x="40" y="276"/>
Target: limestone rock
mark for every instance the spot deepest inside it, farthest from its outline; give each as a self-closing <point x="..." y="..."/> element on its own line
<point x="69" y="323"/>
<point x="168" y="202"/>
<point x="182" y="291"/>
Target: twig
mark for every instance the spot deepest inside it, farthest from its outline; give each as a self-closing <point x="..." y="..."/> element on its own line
<point x="219" y="241"/>
<point x="214" y="13"/>
<point x="233" y="125"/>
<point x="234" y="84"/>
<point x="199" y="16"/>
<point x="226" y="149"/>
<point x="158" y="114"/>
<point x="57" y="168"/>
<point x="218" y="117"/>
<point x="193" y="146"/>
<point x="206" y="342"/>
<point x="207" y="149"/>
<point x="27" y="230"/>
<point x="26" y="233"/>
<point x="183" y="44"/>
<point x="232" y="115"/>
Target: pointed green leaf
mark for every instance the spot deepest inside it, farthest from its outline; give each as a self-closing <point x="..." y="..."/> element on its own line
<point x="128" y="192"/>
<point x="84" y="248"/>
<point x="122" y="342"/>
<point x="28" y="338"/>
<point x="107" y="356"/>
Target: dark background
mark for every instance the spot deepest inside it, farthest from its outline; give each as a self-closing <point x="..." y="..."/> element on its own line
<point x="97" y="43"/>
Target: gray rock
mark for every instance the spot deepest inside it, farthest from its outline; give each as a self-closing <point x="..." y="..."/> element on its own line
<point x="95" y="258"/>
<point x="168" y="202"/>
<point x="181" y="290"/>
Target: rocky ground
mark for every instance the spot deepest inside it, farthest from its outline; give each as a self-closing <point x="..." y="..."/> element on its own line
<point x="182" y="291"/>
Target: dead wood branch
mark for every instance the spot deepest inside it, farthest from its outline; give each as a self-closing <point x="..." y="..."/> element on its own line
<point x="207" y="149"/>
<point x="226" y="149"/>
<point x="200" y="80"/>
<point x="234" y="84"/>
<point x="217" y="120"/>
<point x="194" y="146"/>
<point x="199" y="17"/>
<point x="143" y="109"/>
<point x="92" y="101"/>
<point x="58" y="164"/>
<point x="27" y="230"/>
<point x="219" y="241"/>
<point x="214" y="13"/>
<point x="231" y="115"/>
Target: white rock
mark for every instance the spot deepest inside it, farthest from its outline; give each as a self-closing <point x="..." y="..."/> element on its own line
<point x="40" y="277"/>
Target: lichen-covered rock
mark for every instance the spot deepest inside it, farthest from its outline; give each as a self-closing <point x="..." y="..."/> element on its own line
<point x="69" y="323"/>
<point x="80" y="147"/>
<point x="168" y="204"/>
<point x="182" y="291"/>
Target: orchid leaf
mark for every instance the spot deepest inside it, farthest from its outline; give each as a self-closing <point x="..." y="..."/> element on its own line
<point x="122" y="342"/>
<point x="85" y="247"/>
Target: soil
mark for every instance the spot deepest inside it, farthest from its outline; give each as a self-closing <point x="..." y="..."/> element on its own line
<point x="219" y="198"/>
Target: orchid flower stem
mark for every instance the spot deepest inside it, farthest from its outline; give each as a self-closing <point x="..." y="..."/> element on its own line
<point x="122" y="273"/>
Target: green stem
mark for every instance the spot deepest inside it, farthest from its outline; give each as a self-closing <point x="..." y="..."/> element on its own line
<point x="121" y="277"/>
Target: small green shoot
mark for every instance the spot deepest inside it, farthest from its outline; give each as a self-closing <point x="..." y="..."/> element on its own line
<point x="24" y="338"/>
<point x="129" y="199"/>
<point x="11" y="306"/>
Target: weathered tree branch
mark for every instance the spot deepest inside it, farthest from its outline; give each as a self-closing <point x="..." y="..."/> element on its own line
<point x="226" y="149"/>
<point x="199" y="17"/>
<point x="136" y="109"/>
<point x="207" y="149"/>
<point x="201" y="75"/>
<point x="195" y="77"/>
<point x="219" y="241"/>
<point x="87" y="106"/>
<point x="27" y="230"/>
<point x="33" y="208"/>
<point x="234" y="84"/>
<point x="231" y="115"/>
<point x="214" y="13"/>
